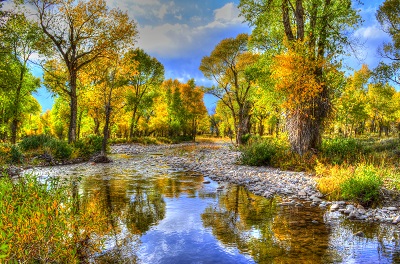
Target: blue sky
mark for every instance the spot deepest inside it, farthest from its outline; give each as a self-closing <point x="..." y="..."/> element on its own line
<point x="180" y="32"/>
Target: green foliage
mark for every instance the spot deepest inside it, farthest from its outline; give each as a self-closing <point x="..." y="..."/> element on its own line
<point x="364" y="186"/>
<point x="88" y="146"/>
<point x="16" y="155"/>
<point x="34" y="142"/>
<point x="339" y="150"/>
<point x="41" y="224"/>
<point x="10" y="154"/>
<point x="59" y="149"/>
<point x="259" y="152"/>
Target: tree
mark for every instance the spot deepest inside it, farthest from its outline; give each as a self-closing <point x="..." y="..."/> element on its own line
<point x="388" y="16"/>
<point x="380" y="106"/>
<point x="145" y="76"/>
<point x="106" y="78"/>
<point x="22" y="38"/>
<point x="80" y="33"/>
<point x="229" y="66"/>
<point x="193" y="107"/>
<point x="351" y="103"/>
<point x="309" y="34"/>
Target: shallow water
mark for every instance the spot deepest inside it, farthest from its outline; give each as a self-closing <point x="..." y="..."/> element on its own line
<point x="163" y="215"/>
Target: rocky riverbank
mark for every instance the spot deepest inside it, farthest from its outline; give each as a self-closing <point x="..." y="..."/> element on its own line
<point x="219" y="162"/>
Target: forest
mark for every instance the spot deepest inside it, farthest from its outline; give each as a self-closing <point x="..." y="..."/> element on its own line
<point x="285" y="99"/>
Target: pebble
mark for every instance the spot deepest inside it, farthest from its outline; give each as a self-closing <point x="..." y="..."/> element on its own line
<point x="334" y="207"/>
<point x="360" y="234"/>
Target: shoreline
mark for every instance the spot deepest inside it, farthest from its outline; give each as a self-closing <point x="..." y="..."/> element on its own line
<point x="218" y="161"/>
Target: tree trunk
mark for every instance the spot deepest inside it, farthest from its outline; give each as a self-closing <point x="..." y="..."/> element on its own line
<point x="105" y="131"/>
<point x="15" y="118"/>
<point x="73" y="106"/>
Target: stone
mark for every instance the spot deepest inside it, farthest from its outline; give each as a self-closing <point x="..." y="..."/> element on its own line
<point x="334" y="207"/>
<point x="302" y="193"/>
<point x="101" y="159"/>
<point x="360" y="234"/>
<point x="316" y="200"/>
<point x="206" y="182"/>
<point x="392" y="209"/>
<point x="353" y="215"/>
<point x="396" y="220"/>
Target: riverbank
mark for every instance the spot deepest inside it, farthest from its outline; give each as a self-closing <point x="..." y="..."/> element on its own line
<point x="219" y="162"/>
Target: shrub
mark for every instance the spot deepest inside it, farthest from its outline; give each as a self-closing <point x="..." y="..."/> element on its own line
<point x="331" y="179"/>
<point x="34" y="142"/>
<point x="364" y="186"/>
<point x="10" y="154"/>
<point x="258" y="153"/>
<point x="88" y="146"/>
<point x="16" y="155"/>
<point x="41" y="224"/>
<point x="339" y="150"/>
<point x="59" y="149"/>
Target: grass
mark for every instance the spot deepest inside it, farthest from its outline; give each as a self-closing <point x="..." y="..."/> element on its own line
<point x="347" y="168"/>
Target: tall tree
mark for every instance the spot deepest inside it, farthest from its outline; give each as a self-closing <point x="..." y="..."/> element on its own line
<point x="229" y="66"/>
<point x="22" y="38"/>
<point x="388" y="16"/>
<point x="311" y="34"/>
<point x="145" y="76"/>
<point x="80" y="32"/>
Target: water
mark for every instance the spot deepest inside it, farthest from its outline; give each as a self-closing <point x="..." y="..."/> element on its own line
<point x="161" y="215"/>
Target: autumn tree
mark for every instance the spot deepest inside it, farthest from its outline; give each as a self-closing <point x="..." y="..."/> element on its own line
<point x="307" y="36"/>
<point x="105" y="76"/>
<point x="388" y="16"/>
<point x="146" y="74"/>
<point x="80" y="32"/>
<point x="351" y="104"/>
<point x="22" y="38"/>
<point x="229" y="66"/>
<point x="380" y="107"/>
<point x="193" y="106"/>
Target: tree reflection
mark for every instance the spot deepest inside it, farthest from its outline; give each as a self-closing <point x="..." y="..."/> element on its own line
<point x="268" y="232"/>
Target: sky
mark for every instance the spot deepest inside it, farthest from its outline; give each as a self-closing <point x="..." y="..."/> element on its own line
<point x="180" y="33"/>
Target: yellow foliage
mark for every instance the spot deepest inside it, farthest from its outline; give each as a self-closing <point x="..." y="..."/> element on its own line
<point x="294" y="72"/>
<point x="331" y="178"/>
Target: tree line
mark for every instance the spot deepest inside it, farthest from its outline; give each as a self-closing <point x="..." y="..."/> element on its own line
<point x="286" y="77"/>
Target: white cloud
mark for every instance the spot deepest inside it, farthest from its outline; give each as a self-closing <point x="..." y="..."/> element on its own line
<point x="177" y="40"/>
<point x="370" y="32"/>
<point x="229" y="13"/>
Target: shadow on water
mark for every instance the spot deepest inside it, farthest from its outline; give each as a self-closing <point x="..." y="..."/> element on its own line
<point x="160" y="215"/>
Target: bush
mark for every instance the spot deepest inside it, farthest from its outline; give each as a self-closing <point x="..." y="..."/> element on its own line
<point x="34" y="142"/>
<point x="88" y="146"/>
<point x="40" y="223"/>
<point x="364" y="186"/>
<point x="59" y="149"/>
<point x="340" y="150"/>
<point x="258" y="153"/>
<point x="331" y="179"/>
<point x="10" y="154"/>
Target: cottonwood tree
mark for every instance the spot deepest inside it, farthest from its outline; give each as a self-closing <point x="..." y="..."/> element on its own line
<point x="145" y="76"/>
<point x="229" y="65"/>
<point x="310" y="34"/>
<point x="22" y="39"/>
<point x="105" y="77"/>
<point x="388" y="16"/>
<point x="80" y="32"/>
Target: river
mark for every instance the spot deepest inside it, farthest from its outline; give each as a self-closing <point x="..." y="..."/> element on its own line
<point x="161" y="214"/>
